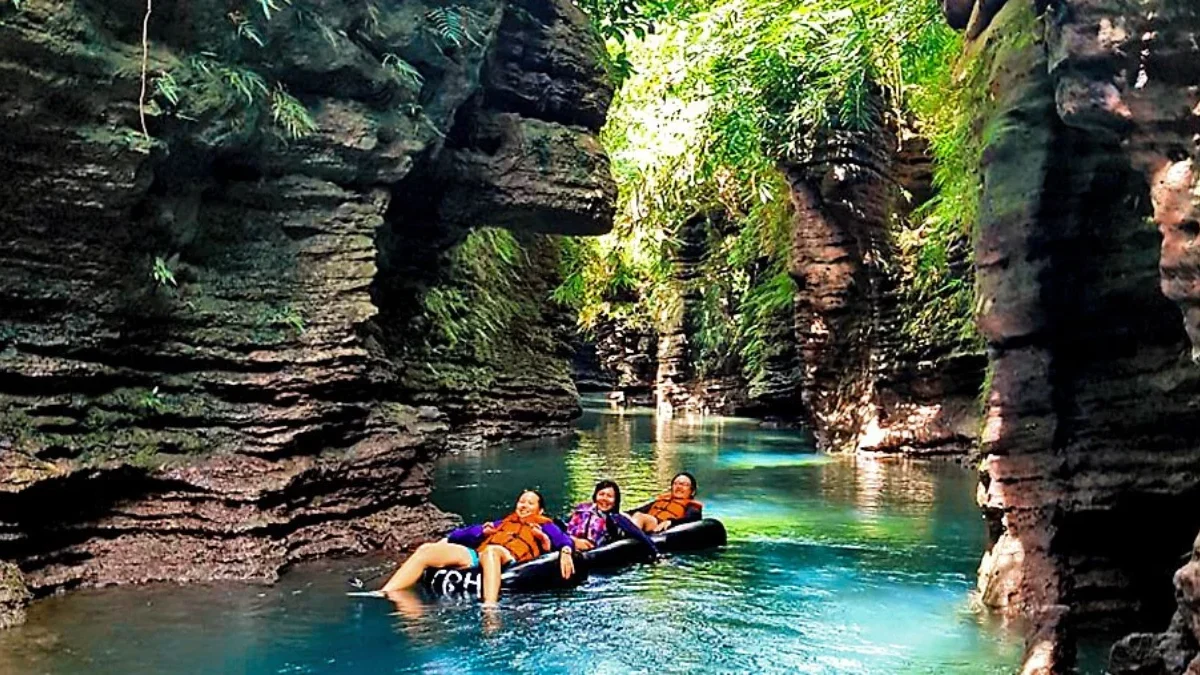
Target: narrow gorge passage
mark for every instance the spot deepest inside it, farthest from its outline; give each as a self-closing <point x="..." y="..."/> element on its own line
<point x="835" y="565"/>
<point x="910" y="284"/>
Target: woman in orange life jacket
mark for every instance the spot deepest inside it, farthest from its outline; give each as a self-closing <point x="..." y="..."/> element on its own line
<point x="523" y="535"/>
<point x="673" y="508"/>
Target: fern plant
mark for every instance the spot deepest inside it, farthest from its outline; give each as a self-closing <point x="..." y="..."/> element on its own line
<point x="208" y="87"/>
<point x="162" y="273"/>
<point x="284" y="315"/>
<point x="456" y="25"/>
<point x="471" y="311"/>
<point x="290" y="115"/>
<point x="313" y="19"/>
<point x="245" y="28"/>
<point x="268" y="6"/>
<point x="403" y="71"/>
<point x="247" y="83"/>
<point x="373" y="18"/>
<point x="152" y="401"/>
<point x="166" y="87"/>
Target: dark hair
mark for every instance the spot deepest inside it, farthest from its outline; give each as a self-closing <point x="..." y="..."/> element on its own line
<point x="695" y="487"/>
<point x="541" y="499"/>
<point x="616" y="489"/>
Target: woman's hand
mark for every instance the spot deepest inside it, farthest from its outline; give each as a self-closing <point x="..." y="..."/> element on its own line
<point x="488" y="529"/>
<point x="566" y="563"/>
<point x="582" y="544"/>
<point x="662" y="526"/>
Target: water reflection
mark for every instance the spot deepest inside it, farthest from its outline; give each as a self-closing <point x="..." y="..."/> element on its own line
<point x="819" y="546"/>
<point x="833" y="566"/>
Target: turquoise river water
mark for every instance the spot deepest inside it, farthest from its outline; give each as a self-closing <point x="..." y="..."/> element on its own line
<point x="833" y="566"/>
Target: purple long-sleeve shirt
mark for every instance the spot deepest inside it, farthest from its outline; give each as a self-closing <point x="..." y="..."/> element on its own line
<point x="472" y="536"/>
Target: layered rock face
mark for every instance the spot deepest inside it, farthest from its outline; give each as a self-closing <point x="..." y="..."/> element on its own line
<point x="628" y="358"/>
<point x="667" y="367"/>
<point x="681" y="384"/>
<point x="207" y="358"/>
<point x="13" y="596"/>
<point x="1134" y="74"/>
<point x="1178" y="649"/>
<point x="1089" y="429"/>
<point x="676" y="371"/>
<point x="864" y="389"/>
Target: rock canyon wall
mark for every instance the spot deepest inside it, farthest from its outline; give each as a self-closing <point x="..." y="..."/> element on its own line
<point x="1083" y="238"/>
<point x="220" y="348"/>
<point x="866" y="386"/>
<point x="1079" y="403"/>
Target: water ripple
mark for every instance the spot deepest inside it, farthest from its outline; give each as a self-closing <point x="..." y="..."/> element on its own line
<point x="833" y="566"/>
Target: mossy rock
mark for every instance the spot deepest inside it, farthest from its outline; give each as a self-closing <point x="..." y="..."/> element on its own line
<point x="14" y="595"/>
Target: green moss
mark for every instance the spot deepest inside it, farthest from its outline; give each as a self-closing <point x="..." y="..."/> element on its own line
<point x="541" y="148"/>
<point x="120" y="139"/>
<point x="485" y="316"/>
<point x="284" y="316"/>
<point x="15" y="425"/>
<point x="474" y="306"/>
<point x="960" y="119"/>
<point x="114" y="428"/>
<point x="99" y="418"/>
<point x="985" y="389"/>
<point x="135" y="446"/>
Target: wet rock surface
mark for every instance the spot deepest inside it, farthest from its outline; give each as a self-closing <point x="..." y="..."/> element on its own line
<point x="864" y="388"/>
<point x="1088" y="430"/>
<point x="14" y="596"/>
<point x="197" y="373"/>
<point x="1176" y="651"/>
<point x="628" y="358"/>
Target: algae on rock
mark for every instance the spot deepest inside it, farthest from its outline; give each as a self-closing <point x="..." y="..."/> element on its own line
<point x="194" y="331"/>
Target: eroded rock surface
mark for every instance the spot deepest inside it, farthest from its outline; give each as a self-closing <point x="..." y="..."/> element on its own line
<point x="864" y="388"/>
<point x="1176" y="651"/>
<point x="13" y="596"/>
<point x="628" y="357"/>
<point x="1089" y="426"/>
<point x="200" y="375"/>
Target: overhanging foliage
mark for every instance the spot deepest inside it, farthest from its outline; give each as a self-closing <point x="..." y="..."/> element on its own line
<point x="715" y="99"/>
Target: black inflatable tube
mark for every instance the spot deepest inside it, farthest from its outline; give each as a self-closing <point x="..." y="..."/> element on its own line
<point x="695" y="536"/>
<point x="545" y="573"/>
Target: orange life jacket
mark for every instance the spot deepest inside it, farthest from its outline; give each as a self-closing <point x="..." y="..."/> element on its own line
<point x="517" y="536"/>
<point x="667" y="507"/>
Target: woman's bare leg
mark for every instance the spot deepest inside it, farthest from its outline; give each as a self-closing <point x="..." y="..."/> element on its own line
<point x="440" y="554"/>
<point x="645" y="521"/>
<point x="491" y="560"/>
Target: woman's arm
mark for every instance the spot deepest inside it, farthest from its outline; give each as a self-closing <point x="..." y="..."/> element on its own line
<point x="470" y="536"/>
<point x="558" y="538"/>
<point x="627" y="526"/>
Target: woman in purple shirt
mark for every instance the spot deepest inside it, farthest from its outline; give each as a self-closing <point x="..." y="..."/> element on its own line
<point x="600" y="521"/>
